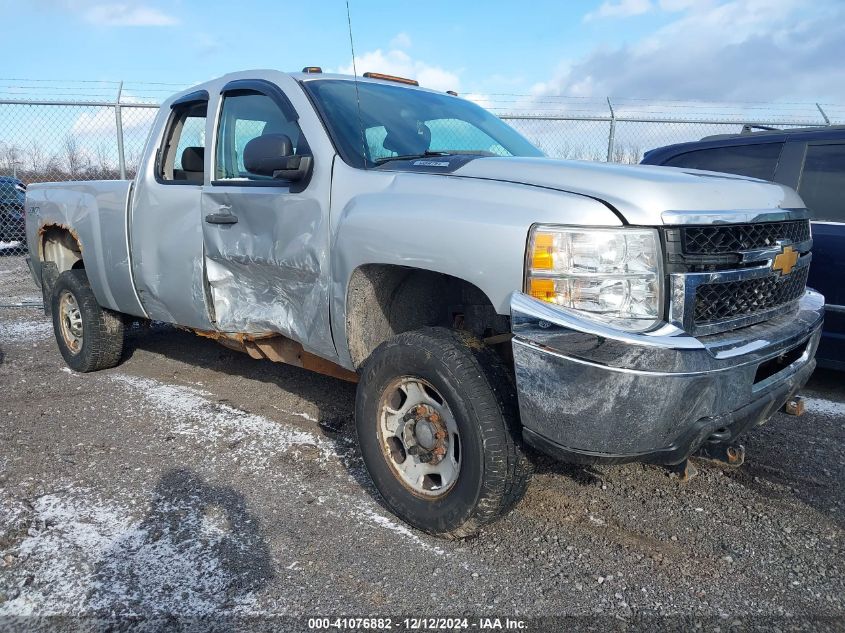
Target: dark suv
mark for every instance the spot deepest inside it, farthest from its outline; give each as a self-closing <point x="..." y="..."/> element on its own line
<point x="811" y="160"/>
<point x="12" y="194"/>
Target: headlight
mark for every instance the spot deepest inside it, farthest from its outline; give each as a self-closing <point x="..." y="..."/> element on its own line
<point x="612" y="275"/>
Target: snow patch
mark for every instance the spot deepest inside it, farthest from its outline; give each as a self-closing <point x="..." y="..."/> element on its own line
<point x="382" y="521"/>
<point x="188" y="547"/>
<point x="825" y="407"/>
<point x="194" y="414"/>
<point x="302" y="415"/>
<point x="256" y="439"/>
<point x="18" y="330"/>
<point x="84" y="555"/>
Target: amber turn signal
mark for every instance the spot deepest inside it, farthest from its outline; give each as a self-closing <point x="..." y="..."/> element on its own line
<point x="541" y="255"/>
<point x="543" y="289"/>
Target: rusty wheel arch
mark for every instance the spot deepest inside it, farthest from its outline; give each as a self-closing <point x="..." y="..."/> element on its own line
<point x="60" y="244"/>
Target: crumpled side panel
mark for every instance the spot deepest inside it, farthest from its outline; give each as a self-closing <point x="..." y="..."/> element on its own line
<point x="267" y="273"/>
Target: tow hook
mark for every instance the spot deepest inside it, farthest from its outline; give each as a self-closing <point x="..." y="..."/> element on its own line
<point x="729" y="454"/>
<point x="794" y="406"/>
<point x="684" y="471"/>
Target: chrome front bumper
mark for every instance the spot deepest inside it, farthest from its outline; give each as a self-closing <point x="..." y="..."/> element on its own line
<point x="588" y="392"/>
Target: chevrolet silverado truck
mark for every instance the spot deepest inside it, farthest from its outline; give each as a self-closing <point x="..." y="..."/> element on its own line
<point x="483" y="297"/>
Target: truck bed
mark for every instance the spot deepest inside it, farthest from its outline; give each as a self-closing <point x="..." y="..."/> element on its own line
<point x="96" y="212"/>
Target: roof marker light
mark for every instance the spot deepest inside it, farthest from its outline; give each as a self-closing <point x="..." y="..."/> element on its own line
<point x="401" y="80"/>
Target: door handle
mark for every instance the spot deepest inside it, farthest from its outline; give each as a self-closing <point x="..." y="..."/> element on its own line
<point x="224" y="217"/>
<point x="221" y="218"/>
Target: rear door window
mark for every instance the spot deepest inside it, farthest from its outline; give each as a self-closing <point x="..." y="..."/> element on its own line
<point x="183" y="152"/>
<point x="823" y="182"/>
<point x="755" y="161"/>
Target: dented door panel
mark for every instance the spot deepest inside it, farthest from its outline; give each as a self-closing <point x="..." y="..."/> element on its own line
<point x="267" y="273"/>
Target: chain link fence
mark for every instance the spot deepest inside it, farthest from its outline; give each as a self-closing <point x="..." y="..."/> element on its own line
<point x="87" y="137"/>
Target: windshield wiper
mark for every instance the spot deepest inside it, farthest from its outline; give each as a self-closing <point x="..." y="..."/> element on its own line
<point x="442" y="152"/>
<point x="425" y="154"/>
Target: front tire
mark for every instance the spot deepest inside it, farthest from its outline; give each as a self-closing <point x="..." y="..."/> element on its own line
<point x="436" y="418"/>
<point x="90" y="337"/>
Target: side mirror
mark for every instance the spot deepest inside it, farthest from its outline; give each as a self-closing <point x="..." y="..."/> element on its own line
<point x="272" y="155"/>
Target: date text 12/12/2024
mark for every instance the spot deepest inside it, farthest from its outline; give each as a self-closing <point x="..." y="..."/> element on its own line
<point x="417" y="624"/>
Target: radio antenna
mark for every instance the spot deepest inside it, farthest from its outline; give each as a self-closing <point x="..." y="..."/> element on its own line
<point x="357" y="93"/>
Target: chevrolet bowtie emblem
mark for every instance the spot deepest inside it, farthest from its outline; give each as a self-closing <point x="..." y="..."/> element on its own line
<point x="785" y="260"/>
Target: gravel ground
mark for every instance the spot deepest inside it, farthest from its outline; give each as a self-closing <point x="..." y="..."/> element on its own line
<point x="192" y="481"/>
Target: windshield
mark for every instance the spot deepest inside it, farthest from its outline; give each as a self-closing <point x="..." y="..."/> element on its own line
<point x="403" y="122"/>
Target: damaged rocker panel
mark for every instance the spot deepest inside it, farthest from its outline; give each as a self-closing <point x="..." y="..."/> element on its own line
<point x="278" y="349"/>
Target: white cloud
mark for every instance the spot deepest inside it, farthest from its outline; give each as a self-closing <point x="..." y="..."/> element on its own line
<point x="754" y="50"/>
<point x="629" y="8"/>
<point x="397" y="62"/>
<point x="100" y="121"/>
<point x="677" y="5"/>
<point x="96" y="122"/>
<point x="100" y="13"/>
<point x="619" y="9"/>
<point x="402" y="40"/>
<point x="484" y="100"/>
<point x="120" y="14"/>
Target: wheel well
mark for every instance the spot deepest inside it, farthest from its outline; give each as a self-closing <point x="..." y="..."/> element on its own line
<point x="60" y="245"/>
<point x="384" y="300"/>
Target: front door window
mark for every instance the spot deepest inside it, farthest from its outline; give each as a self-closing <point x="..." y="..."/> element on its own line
<point x="247" y="116"/>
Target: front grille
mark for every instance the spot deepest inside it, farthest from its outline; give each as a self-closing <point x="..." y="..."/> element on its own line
<point x="715" y="302"/>
<point x="734" y="238"/>
<point x="721" y="276"/>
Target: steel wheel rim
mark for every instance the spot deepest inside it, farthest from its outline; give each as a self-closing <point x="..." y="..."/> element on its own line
<point x="419" y="437"/>
<point x="70" y="320"/>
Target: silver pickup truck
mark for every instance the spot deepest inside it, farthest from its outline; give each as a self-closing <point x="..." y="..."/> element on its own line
<point x="482" y="296"/>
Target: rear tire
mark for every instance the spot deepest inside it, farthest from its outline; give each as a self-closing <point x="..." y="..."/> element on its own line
<point x="90" y="337"/>
<point x="450" y="379"/>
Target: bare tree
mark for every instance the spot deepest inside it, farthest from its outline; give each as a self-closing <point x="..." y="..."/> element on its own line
<point x="133" y="161"/>
<point x="53" y="170"/>
<point x="627" y="154"/>
<point x="104" y="166"/>
<point x="10" y="158"/>
<point x="73" y="156"/>
<point x="36" y="159"/>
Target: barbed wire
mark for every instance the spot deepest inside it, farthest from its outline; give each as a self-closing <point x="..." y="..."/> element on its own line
<point x="54" y="130"/>
<point x="46" y="87"/>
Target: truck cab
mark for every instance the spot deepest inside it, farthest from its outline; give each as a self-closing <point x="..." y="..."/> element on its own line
<point x="483" y="297"/>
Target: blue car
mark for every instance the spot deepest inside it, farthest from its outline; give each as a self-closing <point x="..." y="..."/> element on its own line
<point x="811" y="160"/>
<point x="12" y="195"/>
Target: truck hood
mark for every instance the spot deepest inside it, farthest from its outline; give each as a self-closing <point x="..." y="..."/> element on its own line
<point x="640" y="193"/>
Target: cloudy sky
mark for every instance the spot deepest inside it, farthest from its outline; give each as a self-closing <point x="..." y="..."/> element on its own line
<point x="759" y="50"/>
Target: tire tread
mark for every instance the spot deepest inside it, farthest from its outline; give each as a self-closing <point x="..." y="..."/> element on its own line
<point x="491" y="395"/>
<point x="103" y="329"/>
